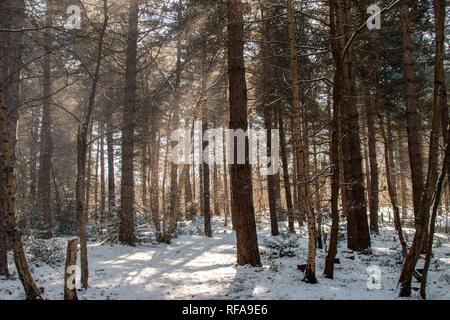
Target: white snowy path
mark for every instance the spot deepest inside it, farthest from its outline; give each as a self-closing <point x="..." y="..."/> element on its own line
<point x="197" y="267"/>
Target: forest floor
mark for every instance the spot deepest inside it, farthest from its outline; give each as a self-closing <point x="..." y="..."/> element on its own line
<point x="197" y="267"/>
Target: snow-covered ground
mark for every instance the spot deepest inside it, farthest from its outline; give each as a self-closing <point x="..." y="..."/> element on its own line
<point x="197" y="267"/>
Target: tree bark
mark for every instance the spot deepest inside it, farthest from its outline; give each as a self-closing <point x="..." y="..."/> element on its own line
<point x="46" y="144"/>
<point x="334" y="149"/>
<point x="241" y="179"/>
<point x="412" y="116"/>
<point x="268" y="121"/>
<point x="102" y="175"/>
<point x="371" y="132"/>
<point x="8" y="209"/>
<point x="81" y="155"/>
<point x="12" y="17"/>
<point x="429" y="190"/>
<point x="111" y="179"/>
<point x="126" y="232"/>
<point x="285" y="164"/>
<point x="439" y="105"/>
<point x="310" y="270"/>
<point x="358" y="236"/>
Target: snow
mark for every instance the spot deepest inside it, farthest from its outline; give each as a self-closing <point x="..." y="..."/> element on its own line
<point x="197" y="267"/>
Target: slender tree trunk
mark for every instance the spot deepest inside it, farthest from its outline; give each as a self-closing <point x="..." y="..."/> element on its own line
<point x="46" y="144"/>
<point x="87" y="188"/>
<point x="402" y="174"/>
<point x="335" y="183"/>
<point x="317" y="197"/>
<point x="439" y="104"/>
<point x="154" y="189"/>
<point x="241" y="174"/>
<point x="102" y="175"/>
<point x="215" y="190"/>
<point x="310" y="271"/>
<point x="412" y="116"/>
<point x="388" y="154"/>
<point x="81" y="155"/>
<point x="225" y="179"/>
<point x="144" y="169"/>
<point x="111" y="179"/>
<point x="126" y="232"/>
<point x="429" y="190"/>
<point x="96" y="178"/>
<point x="285" y="164"/>
<point x="371" y="132"/>
<point x="268" y="121"/>
<point x="334" y="148"/>
<point x="206" y="192"/>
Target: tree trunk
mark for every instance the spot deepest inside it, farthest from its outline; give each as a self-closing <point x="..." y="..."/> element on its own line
<point x="371" y="132"/>
<point x="402" y="172"/>
<point x="285" y="164"/>
<point x="388" y="154"/>
<point x="439" y="104"/>
<point x="241" y="174"/>
<point x="310" y="271"/>
<point x="46" y="144"/>
<point x="412" y="116"/>
<point x="12" y="17"/>
<point x="97" y="161"/>
<point x="154" y="189"/>
<point x="82" y="147"/>
<point x="358" y="236"/>
<point x="206" y="192"/>
<point x="102" y="175"/>
<point x="126" y="232"/>
<point x="334" y="148"/>
<point x="226" y="201"/>
<point x="111" y="179"/>
<point x="8" y="209"/>
<point x="87" y="187"/>
<point x="430" y="190"/>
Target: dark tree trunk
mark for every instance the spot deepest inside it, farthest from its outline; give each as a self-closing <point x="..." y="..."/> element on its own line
<point x="431" y="188"/>
<point x="226" y="201"/>
<point x="358" y="236"/>
<point x="371" y="132"/>
<point x="12" y="17"/>
<point x="8" y="203"/>
<point x="87" y="188"/>
<point x="412" y="116"/>
<point x="206" y="191"/>
<point x="46" y="144"/>
<point x="403" y="163"/>
<point x="111" y="180"/>
<point x="126" y="232"/>
<point x="102" y="175"/>
<point x="285" y="164"/>
<point x="334" y="149"/>
<point x="241" y="174"/>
